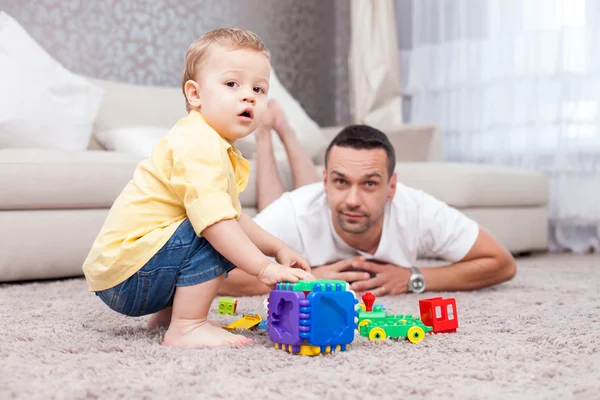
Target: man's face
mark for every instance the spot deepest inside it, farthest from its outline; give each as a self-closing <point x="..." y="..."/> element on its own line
<point x="358" y="187"/>
<point x="233" y="89"/>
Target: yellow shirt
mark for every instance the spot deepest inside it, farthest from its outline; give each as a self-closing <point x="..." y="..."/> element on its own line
<point x="193" y="172"/>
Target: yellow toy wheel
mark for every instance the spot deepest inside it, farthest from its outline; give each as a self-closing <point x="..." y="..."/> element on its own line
<point x="416" y="334"/>
<point x="377" y="334"/>
<point x="362" y="306"/>
<point x="363" y="322"/>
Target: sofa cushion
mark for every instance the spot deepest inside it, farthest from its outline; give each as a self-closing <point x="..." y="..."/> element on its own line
<point x="42" y="104"/>
<point x="464" y="185"/>
<point x="55" y="179"/>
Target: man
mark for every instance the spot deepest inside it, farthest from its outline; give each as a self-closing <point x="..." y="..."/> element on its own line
<point x="362" y="226"/>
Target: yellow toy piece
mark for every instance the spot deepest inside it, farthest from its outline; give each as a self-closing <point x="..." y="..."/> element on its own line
<point x="415" y="334"/>
<point x="363" y="323"/>
<point x="306" y="349"/>
<point x="248" y="321"/>
<point x="377" y="334"/>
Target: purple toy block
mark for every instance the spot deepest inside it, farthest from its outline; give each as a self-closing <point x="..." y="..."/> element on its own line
<point x="284" y="317"/>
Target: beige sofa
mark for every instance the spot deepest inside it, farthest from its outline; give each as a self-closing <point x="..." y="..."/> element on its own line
<point x="53" y="203"/>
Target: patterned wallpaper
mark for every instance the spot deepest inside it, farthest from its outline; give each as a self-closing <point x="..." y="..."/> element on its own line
<point x="144" y="42"/>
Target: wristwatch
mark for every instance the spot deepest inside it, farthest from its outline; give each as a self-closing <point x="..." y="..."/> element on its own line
<point x="416" y="282"/>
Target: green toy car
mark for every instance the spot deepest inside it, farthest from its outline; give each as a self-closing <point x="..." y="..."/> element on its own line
<point x="379" y="325"/>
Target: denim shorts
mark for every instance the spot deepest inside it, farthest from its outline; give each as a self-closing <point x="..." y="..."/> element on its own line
<point x="185" y="260"/>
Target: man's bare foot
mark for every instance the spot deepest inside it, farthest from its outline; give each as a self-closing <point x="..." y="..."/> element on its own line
<point x="201" y="334"/>
<point x="278" y="116"/>
<point x="266" y="124"/>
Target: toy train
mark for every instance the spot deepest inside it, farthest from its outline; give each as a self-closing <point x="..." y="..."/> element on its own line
<point x="437" y="315"/>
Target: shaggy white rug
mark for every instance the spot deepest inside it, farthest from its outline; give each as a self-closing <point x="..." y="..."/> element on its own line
<point x="536" y="337"/>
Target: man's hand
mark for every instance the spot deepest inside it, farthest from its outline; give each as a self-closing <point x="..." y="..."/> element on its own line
<point x="342" y="270"/>
<point x="388" y="279"/>
<point x="289" y="257"/>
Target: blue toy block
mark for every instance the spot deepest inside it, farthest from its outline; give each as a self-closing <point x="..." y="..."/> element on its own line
<point x="332" y="318"/>
<point x="263" y="325"/>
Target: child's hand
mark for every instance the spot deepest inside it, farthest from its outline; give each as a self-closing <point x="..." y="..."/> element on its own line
<point x="273" y="273"/>
<point x="289" y="257"/>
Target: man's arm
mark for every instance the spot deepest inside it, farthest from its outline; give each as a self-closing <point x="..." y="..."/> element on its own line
<point x="486" y="264"/>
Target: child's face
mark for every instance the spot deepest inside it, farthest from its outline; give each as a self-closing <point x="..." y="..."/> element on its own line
<point x="232" y="91"/>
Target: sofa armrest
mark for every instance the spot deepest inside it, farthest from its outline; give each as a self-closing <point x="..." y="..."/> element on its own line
<point x="411" y="142"/>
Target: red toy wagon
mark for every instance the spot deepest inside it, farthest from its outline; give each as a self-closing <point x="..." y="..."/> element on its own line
<point x="439" y="313"/>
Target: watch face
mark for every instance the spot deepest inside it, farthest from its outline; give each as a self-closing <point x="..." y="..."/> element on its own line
<point x="417" y="284"/>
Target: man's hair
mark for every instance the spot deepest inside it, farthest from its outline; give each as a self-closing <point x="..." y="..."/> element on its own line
<point x="230" y="38"/>
<point x="364" y="137"/>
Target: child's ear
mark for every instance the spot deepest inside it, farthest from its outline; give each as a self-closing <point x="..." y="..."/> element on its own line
<point x="192" y="93"/>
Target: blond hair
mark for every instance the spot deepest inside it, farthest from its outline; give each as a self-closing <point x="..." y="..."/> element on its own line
<point x="231" y="38"/>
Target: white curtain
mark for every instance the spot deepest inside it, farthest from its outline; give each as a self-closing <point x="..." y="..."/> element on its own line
<point x="375" y="87"/>
<point x="514" y="82"/>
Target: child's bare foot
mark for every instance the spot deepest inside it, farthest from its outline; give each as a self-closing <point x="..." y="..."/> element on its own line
<point x="163" y="318"/>
<point x="201" y="334"/>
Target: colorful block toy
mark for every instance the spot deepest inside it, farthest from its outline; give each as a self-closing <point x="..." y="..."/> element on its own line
<point x="227" y="305"/>
<point x="312" y="317"/>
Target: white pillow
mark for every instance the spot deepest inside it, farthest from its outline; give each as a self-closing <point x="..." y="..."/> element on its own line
<point x="307" y="130"/>
<point x="42" y="105"/>
<point x="138" y="140"/>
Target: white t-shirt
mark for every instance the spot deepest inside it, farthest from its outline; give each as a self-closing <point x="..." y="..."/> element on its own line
<point x="414" y="224"/>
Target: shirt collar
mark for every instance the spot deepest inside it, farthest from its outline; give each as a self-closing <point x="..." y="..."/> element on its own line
<point x="198" y="114"/>
<point x="241" y="166"/>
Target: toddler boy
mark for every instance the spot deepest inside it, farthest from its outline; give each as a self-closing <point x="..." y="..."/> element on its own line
<point x="176" y="229"/>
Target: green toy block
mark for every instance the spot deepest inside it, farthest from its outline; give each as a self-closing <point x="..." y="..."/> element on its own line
<point x="227" y="305"/>
<point x="377" y="313"/>
<point x="307" y="286"/>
